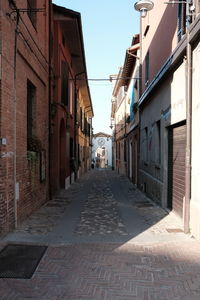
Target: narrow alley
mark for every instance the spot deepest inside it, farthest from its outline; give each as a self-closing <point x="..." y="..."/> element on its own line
<point x="106" y="240"/>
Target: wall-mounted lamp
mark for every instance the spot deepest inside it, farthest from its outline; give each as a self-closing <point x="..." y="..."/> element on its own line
<point x="112" y="123"/>
<point x="143" y="6"/>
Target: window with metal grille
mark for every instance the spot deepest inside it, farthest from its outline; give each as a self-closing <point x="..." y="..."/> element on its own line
<point x="32" y="6"/>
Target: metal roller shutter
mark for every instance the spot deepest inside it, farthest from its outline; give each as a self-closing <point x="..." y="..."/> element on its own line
<point x="176" y="178"/>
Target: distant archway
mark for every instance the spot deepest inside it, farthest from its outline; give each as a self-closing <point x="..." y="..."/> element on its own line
<point x="62" y="161"/>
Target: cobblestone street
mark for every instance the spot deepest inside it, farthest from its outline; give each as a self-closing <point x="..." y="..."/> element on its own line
<point x="106" y="240"/>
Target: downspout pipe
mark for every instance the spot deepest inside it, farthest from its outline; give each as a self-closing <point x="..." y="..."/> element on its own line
<point x="186" y="210"/>
<point x="15" y="118"/>
<point x="50" y="96"/>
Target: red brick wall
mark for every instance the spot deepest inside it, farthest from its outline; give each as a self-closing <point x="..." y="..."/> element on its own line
<point x="32" y="64"/>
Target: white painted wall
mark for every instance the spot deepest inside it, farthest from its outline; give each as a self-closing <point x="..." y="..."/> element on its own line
<point x="195" y="186"/>
<point x="97" y="144"/>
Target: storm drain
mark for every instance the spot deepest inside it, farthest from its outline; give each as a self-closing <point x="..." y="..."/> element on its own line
<point x="20" y="261"/>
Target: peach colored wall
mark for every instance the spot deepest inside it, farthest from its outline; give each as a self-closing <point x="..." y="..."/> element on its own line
<point x="160" y="39"/>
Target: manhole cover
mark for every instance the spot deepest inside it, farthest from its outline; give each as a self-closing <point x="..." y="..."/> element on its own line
<point x="20" y="261"/>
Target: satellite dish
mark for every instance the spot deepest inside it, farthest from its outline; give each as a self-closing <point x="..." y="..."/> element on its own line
<point x="143" y="6"/>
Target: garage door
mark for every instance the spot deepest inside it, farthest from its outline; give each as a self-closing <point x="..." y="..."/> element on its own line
<point x="176" y="175"/>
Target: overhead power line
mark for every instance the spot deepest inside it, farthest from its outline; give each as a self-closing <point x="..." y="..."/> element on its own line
<point x="107" y="79"/>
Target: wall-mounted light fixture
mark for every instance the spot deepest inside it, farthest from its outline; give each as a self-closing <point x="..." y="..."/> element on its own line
<point x="143" y="6"/>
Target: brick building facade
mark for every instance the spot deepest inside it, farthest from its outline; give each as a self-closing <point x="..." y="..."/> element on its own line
<point x="24" y="109"/>
<point x="45" y="140"/>
<point x="71" y="106"/>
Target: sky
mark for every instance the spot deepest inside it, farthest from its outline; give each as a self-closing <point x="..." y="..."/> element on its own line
<point x="108" y="27"/>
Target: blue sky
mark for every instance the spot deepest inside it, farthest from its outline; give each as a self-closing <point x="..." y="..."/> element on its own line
<point x="108" y="28"/>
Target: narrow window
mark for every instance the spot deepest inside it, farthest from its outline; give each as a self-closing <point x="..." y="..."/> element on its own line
<point x="147" y="69"/>
<point x="79" y="159"/>
<point x="132" y="105"/>
<point x="146" y="144"/>
<point x="32" y="6"/>
<point x="71" y="96"/>
<point x="71" y="147"/>
<point x="63" y="39"/>
<point x="83" y="121"/>
<point x="125" y="151"/>
<point x="158" y="143"/>
<point x="31" y="94"/>
<point x="81" y="116"/>
<point x="181" y="26"/>
<point x="65" y="83"/>
<point x="85" y="125"/>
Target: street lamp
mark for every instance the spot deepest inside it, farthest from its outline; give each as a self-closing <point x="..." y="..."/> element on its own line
<point x="143" y="6"/>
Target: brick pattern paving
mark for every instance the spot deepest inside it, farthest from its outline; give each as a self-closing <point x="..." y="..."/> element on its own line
<point x="112" y="271"/>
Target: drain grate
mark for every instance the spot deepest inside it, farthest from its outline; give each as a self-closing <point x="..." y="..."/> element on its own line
<point x="20" y="261"/>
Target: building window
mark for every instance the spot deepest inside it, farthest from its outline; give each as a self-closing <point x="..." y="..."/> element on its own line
<point x="146" y="144"/>
<point x="31" y="95"/>
<point x="63" y="39"/>
<point x="119" y="154"/>
<point x="71" y="96"/>
<point x="81" y="117"/>
<point x="32" y="6"/>
<point x="125" y="151"/>
<point x="181" y="26"/>
<point x="158" y="143"/>
<point x="64" y="83"/>
<point x="83" y="120"/>
<point x="71" y="147"/>
<point x="147" y="69"/>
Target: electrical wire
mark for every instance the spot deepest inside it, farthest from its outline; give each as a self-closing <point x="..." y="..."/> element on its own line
<point x="108" y="79"/>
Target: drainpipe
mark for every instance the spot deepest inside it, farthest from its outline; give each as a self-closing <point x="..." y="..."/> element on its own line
<point x="49" y="95"/>
<point x="16" y="187"/>
<point x="186" y="211"/>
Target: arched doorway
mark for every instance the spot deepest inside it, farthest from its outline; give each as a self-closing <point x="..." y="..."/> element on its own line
<point x="62" y="162"/>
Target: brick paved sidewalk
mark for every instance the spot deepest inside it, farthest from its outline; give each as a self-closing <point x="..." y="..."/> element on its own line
<point x="166" y="271"/>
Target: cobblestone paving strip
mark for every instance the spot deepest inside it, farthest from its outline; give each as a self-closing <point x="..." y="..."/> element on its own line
<point x="100" y="214"/>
